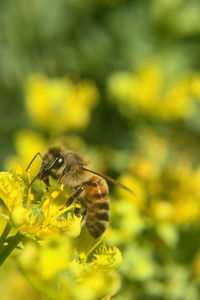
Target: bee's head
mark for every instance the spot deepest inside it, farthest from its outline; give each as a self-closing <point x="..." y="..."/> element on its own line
<point x="58" y="163"/>
<point x="52" y="163"/>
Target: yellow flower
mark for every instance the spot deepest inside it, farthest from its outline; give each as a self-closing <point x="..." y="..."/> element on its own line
<point x="46" y="260"/>
<point x="43" y="220"/>
<point x="97" y="285"/>
<point x="92" y="275"/>
<point x="168" y="233"/>
<point x="135" y="185"/>
<point x="177" y="102"/>
<point x="19" y="216"/>
<point x="149" y="91"/>
<point x="144" y="168"/>
<point x="149" y="87"/>
<point x="106" y="258"/>
<point x="121" y="86"/>
<point x="51" y="258"/>
<point x="60" y="104"/>
<point x="27" y="143"/>
<point x="162" y="210"/>
<point x="186" y="210"/>
<point x="126" y="222"/>
<point x="11" y="190"/>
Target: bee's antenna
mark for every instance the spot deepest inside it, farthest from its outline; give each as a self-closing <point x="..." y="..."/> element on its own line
<point x="33" y="160"/>
<point x="53" y="163"/>
<point x="34" y="179"/>
<point x="109" y="179"/>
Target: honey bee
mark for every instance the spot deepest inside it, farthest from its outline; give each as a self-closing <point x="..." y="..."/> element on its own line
<point x="89" y="187"/>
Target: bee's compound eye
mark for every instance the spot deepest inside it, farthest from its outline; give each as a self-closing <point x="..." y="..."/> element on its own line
<point x="59" y="162"/>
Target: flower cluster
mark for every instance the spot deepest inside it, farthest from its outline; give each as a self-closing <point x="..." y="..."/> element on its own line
<point x="52" y="255"/>
<point x="60" y="104"/>
<point x="159" y="223"/>
<point x="149" y="92"/>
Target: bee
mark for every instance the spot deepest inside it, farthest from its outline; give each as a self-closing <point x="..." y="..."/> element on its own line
<point x="89" y="187"/>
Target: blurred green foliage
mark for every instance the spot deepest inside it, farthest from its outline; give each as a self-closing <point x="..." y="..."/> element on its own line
<point x="141" y="59"/>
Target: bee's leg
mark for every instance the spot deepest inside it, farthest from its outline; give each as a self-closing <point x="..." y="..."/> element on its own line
<point x="74" y="195"/>
<point x="83" y="222"/>
<point x="66" y="170"/>
<point x="81" y="211"/>
<point x="46" y="181"/>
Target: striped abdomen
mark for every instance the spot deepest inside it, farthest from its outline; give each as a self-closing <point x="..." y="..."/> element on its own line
<point x="98" y="206"/>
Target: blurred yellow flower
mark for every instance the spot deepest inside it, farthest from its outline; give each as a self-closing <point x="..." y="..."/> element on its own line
<point x="47" y="260"/>
<point x="144" y="168"/>
<point x="177" y="101"/>
<point x="96" y="285"/>
<point x="161" y="210"/>
<point x="27" y="143"/>
<point x="186" y="210"/>
<point x="148" y="91"/>
<point x="136" y="186"/>
<point x="60" y="104"/>
<point x="195" y="85"/>
<point x="126" y="222"/>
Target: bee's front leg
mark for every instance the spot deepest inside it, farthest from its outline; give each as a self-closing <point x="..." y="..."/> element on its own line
<point x="46" y="181"/>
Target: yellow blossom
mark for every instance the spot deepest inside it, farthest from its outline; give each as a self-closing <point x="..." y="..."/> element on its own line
<point x="49" y="222"/>
<point x="168" y="233"/>
<point x="133" y="183"/>
<point x="148" y="91"/>
<point x="97" y="284"/>
<point x="27" y="144"/>
<point x="19" y="216"/>
<point x="195" y="85"/>
<point x="186" y="210"/>
<point x="60" y="104"/>
<point x="126" y="222"/>
<point x="149" y="87"/>
<point x="162" y="210"/>
<point x="11" y="190"/>
<point x="43" y="257"/>
<point x="107" y="258"/>
<point x="48" y="258"/>
<point x="177" y="102"/>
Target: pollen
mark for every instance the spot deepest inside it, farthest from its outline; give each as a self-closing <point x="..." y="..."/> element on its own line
<point x="55" y="194"/>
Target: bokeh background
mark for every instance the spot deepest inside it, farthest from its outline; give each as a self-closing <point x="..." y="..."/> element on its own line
<point x="117" y="80"/>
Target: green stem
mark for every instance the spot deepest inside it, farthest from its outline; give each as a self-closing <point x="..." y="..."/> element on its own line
<point x="14" y="241"/>
<point x="4" y="234"/>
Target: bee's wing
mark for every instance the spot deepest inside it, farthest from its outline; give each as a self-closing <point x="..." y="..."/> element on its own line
<point x="109" y="179"/>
